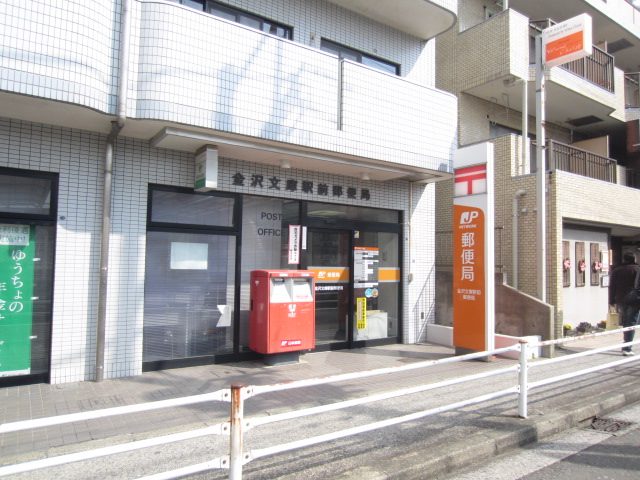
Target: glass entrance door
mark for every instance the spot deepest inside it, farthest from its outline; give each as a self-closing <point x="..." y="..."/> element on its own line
<point x="376" y="283"/>
<point x="328" y="255"/>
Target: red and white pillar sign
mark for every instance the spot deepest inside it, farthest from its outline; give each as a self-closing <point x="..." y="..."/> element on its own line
<point x="473" y="250"/>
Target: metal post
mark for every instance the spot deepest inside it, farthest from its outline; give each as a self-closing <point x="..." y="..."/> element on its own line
<point x="540" y="176"/>
<point x="236" y="442"/>
<point x="340" y="93"/>
<point x="523" y="379"/>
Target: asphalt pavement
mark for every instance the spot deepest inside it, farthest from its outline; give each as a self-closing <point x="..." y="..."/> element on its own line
<point x="423" y="449"/>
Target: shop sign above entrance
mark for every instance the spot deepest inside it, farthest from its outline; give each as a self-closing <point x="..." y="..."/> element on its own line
<point x="308" y="187"/>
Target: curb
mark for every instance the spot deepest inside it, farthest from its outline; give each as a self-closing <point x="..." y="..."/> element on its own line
<point x="483" y="446"/>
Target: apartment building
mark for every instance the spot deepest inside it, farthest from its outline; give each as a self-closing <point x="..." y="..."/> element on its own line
<point x="592" y="152"/>
<point x="155" y="152"/>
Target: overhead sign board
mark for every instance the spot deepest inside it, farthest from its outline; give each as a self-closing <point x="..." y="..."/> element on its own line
<point x="567" y="41"/>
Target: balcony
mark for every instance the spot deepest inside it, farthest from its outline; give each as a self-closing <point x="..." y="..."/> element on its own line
<point x="195" y="79"/>
<point x="266" y="89"/>
<point x="596" y="68"/>
<point x="421" y="18"/>
<point x="585" y="95"/>
<point x="581" y="162"/>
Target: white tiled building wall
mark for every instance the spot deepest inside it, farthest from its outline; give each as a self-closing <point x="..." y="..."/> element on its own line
<point x="60" y="49"/>
<point x="75" y="155"/>
<point x="78" y="156"/>
<point x="63" y="50"/>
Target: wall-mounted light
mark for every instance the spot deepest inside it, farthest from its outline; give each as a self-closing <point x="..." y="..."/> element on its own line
<point x="364" y="176"/>
<point x="285" y="164"/>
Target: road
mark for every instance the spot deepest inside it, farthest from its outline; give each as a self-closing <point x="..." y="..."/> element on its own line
<point x="579" y="453"/>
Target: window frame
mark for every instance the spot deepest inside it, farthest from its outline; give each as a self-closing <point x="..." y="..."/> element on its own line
<point x="187" y="227"/>
<point x="325" y="42"/>
<point x="49" y="218"/>
<point x="208" y="7"/>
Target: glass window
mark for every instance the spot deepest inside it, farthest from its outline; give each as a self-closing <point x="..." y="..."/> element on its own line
<point x="27" y="241"/>
<point x="348" y="212"/>
<point x="245" y="18"/>
<point x="197" y="4"/>
<point x="189" y="275"/>
<point x="354" y="55"/>
<point x="25" y="194"/>
<point x="265" y="235"/>
<point x="170" y="206"/>
<point x="189" y="295"/>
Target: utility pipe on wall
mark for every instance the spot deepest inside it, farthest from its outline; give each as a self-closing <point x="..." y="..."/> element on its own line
<point x="116" y="128"/>
<point x="514" y="235"/>
<point x="525" y="126"/>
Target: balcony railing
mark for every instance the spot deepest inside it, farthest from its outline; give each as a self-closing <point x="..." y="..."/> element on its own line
<point x="581" y="162"/>
<point x="632" y="90"/>
<point x="596" y="68"/>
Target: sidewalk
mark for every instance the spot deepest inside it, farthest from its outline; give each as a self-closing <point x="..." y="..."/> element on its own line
<point x="551" y="411"/>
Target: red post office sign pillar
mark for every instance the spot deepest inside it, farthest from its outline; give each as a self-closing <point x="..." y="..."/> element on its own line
<point x="473" y="254"/>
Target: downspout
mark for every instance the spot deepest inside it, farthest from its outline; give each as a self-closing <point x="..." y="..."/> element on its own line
<point x="116" y="128"/>
<point x="410" y="220"/>
<point x="514" y="236"/>
<point x="525" y="127"/>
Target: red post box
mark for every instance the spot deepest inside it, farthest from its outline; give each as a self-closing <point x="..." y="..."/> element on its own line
<point x="282" y="317"/>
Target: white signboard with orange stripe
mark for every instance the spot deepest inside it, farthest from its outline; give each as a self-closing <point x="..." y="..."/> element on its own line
<point x="567" y="41"/>
<point x="473" y="257"/>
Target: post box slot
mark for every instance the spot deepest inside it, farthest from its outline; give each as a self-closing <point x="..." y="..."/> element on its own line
<point x="302" y="290"/>
<point x="279" y="291"/>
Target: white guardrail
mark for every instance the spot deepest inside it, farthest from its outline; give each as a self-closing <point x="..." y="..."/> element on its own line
<point x="237" y="394"/>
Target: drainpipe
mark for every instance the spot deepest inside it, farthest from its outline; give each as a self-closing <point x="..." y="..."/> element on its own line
<point x="116" y="128"/>
<point x="525" y="126"/>
<point x="514" y="236"/>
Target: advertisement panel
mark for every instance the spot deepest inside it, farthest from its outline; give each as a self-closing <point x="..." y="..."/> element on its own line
<point x="17" y="247"/>
<point x="567" y="41"/>
<point x="473" y="256"/>
<point x="469" y="289"/>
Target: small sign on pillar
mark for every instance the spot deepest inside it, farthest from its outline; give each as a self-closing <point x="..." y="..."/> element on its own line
<point x="206" y="169"/>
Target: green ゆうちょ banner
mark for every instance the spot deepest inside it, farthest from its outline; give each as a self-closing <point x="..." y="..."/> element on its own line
<point x="17" y="247"/>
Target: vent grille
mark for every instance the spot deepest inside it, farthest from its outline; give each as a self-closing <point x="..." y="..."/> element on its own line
<point x="583" y="121"/>
<point x="618" y="45"/>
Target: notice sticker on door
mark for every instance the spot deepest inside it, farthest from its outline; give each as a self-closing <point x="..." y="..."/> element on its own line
<point x="294" y="244"/>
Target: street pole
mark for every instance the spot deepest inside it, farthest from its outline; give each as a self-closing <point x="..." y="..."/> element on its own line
<point x="540" y="175"/>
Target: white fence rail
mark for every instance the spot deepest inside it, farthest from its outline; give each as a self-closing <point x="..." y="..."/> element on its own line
<point x="238" y="394"/>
